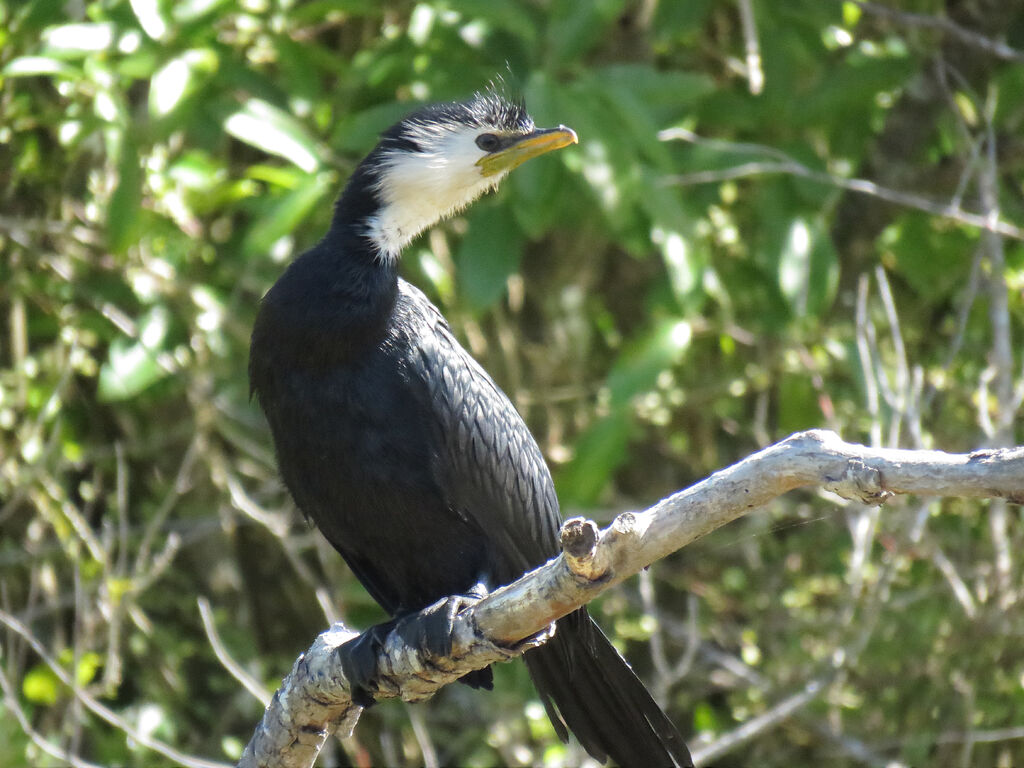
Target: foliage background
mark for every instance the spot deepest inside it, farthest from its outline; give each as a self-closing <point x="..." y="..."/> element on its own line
<point x="693" y="281"/>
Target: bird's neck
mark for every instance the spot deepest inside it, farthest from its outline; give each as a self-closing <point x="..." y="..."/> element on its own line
<point x="351" y="275"/>
<point x="393" y="226"/>
<point x="371" y="230"/>
<point x="396" y="194"/>
<point x="338" y="296"/>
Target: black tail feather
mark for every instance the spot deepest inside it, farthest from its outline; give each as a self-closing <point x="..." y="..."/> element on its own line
<point x="601" y="700"/>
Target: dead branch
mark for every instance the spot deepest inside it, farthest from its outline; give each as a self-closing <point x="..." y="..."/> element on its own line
<point x="779" y="163"/>
<point x="314" y="701"/>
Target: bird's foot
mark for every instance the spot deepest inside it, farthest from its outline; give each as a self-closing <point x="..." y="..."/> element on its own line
<point x="359" y="661"/>
<point x="431" y="629"/>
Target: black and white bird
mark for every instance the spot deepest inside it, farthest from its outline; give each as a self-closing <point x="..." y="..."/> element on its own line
<point x="398" y="445"/>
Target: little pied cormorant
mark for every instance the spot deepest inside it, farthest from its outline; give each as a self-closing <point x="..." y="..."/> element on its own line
<point x="400" y="447"/>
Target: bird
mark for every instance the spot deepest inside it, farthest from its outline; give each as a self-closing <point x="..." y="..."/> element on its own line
<point x="399" y="446"/>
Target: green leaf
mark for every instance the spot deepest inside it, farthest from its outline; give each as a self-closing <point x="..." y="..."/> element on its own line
<point x="655" y="88"/>
<point x="798" y="404"/>
<point x="299" y="69"/>
<point x="538" y="196"/>
<point x="274" y="131"/>
<point x="598" y="451"/>
<point x="808" y="268"/>
<point x="928" y="254"/>
<point x="75" y="41"/>
<point x="31" y="66"/>
<point x="179" y="78"/>
<point x="487" y="256"/>
<point x="196" y="170"/>
<point x="848" y="93"/>
<point x="644" y="100"/>
<point x="89" y="663"/>
<point x="540" y="188"/>
<point x="637" y="369"/>
<point x="150" y="18"/>
<point x="673" y="232"/>
<point x="705" y="719"/>
<point x="131" y="365"/>
<point x="576" y="27"/>
<point x="40" y="685"/>
<point x="673" y="21"/>
<point x="284" y="176"/>
<point x="357" y="132"/>
<point x="125" y="203"/>
<point x="284" y="215"/>
<point x="510" y="18"/>
<point x="685" y="269"/>
<point x="851" y="14"/>
<point x="187" y="11"/>
<point x="601" y="449"/>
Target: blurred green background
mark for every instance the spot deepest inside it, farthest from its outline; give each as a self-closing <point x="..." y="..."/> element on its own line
<point x="695" y="280"/>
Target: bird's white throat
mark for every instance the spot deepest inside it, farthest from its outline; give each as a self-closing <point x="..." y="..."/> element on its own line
<point x="418" y="189"/>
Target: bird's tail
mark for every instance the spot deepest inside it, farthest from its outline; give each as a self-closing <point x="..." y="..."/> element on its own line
<point x="601" y="700"/>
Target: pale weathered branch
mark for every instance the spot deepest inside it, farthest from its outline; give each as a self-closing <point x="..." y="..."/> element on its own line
<point x="754" y="70"/>
<point x="315" y="700"/>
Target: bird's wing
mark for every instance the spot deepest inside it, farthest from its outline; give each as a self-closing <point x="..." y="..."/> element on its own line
<point x="486" y="460"/>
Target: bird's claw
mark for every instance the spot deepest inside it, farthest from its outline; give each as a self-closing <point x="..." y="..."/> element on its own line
<point x="359" y="662"/>
<point x="430" y="630"/>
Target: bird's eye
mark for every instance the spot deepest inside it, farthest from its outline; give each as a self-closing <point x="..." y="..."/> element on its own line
<point x="488" y="142"/>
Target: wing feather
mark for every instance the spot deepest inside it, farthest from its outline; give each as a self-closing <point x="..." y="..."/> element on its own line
<point x="486" y="460"/>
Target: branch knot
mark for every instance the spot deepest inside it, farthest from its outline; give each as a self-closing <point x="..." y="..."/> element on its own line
<point x="581" y="545"/>
<point x="859" y="482"/>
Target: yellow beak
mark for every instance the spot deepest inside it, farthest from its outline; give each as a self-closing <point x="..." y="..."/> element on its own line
<point x="522" y="149"/>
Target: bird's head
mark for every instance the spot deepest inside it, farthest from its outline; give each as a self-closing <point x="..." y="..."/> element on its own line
<point x="444" y="156"/>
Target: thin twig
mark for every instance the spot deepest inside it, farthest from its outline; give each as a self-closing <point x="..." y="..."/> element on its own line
<point x="992" y="736"/>
<point x="901" y="388"/>
<point x="967" y="36"/>
<point x="422" y="734"/>
<point x="960" y="590"/>
<point x="236" y="670"/>
<point x="867" y="365"/>
<point x="757" y="725"/>
<point x="685" y="663"/>
<point x="1001" y="355"/>
<point x="742" y="671"/>
<point x="143" y="560"/>
<point x="755" y="73"/>
<point x="790" y="166"/>
<point x="656" y="642"/>
<point x="13" y="705"/>
<point x="98" y="709"/>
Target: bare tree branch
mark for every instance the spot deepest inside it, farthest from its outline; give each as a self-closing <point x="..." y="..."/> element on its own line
<point x="755" y="72"/>
<point x="100" y="710"/>
<point x="13" y="705"/>
<point x="756" y="725"/>
<point x="315" y="699"/>
<point x="966" y="36"/>
<point x="784" y="164"/>
<point x="237" y="671"/>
